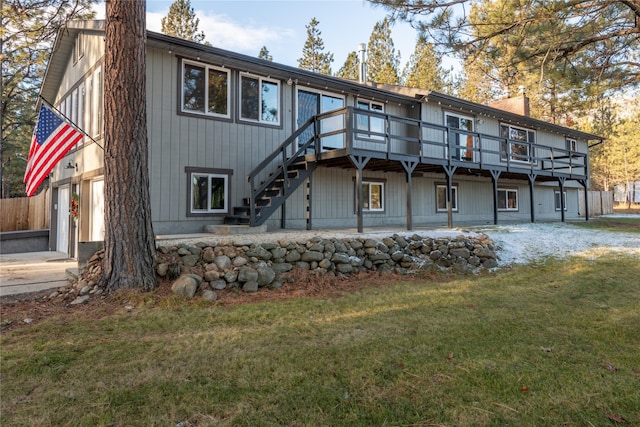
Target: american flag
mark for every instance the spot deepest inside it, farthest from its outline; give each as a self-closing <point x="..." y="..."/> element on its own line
<point x="52" y="139"/>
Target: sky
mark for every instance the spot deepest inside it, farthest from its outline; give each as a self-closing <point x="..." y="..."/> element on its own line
<point x="244" y="26"/>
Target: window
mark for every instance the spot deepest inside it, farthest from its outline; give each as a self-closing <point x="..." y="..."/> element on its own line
<point x="368" y="122"/>
<point x="519" y="147"/>
<point x="556" y="200"/>
<point x="507" y="199"/>
<point x="205" y="89"/>
<point x="208" y="190"/>
<point x="259" y="99"/>
<point x="78" y="49"/>
<point x="441" y="198"/>
<point x="571" y="144"/>
<point x="373" y="193"/>
<point x="462" y="143"/>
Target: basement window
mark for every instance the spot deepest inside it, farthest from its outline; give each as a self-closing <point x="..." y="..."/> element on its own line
<point x="441" y="198"/>
<point x="208" y="191"/>
<point x="507" y="199"/>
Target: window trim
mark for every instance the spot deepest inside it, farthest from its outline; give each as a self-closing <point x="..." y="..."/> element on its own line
<point x="206" y="67"/>
<point x="260" y="79"/>
<point x="210" y="172"/>
<point x="362" y="132"/>
<point x="530" y="145"/>
<point x="507" y="191"/>
<point x="571" y="144"/>
<point x="556" y="199"/>
<point x="367" y="195"/>
<point x="459" y="150"/>
<point x="454" y="190"/>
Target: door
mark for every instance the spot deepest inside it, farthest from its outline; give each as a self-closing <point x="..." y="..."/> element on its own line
<point x="97" y="210"/>
<point x="462" y="143"/>
<point x="312" y="103"/>
<point x="62" y="240"/>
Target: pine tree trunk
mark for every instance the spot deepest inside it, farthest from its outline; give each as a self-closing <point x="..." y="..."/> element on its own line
<point x="129" y="239"/>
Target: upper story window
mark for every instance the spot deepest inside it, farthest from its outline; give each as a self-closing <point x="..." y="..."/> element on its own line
<point x="259" y="99"/>
<point x="78" y="49"/>
<point x="368" y="122"/>
<point x="571" y="144"/>
<point x="519" y="147"/>
<point x="205" y="89"/>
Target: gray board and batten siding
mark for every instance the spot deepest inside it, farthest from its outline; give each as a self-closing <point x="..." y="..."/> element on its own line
<point x="179" y="141"/>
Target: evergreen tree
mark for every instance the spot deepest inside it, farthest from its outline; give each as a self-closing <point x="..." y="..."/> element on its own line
<point x="264" y="54"/>
<point x="313" y="57"/>
<point x="350" y="69"/>
<point x="27" y="32"/>
<point x="129" y="240"/>
<point x="181" y="21"/>
<point x="424" y="69"/>
<point x="565" y="52"/>
<point x="382" y="59"/>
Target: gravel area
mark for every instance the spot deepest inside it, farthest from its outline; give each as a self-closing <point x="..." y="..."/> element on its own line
<point x="517" y="243"/>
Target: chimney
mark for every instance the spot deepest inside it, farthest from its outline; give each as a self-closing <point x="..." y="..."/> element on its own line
<point x="362" y="66"/>
<point x="518" y="104"/>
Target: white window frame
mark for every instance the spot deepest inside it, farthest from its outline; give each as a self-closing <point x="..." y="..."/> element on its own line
<point x="195" y="172"/>
<point x="366" y="203"/>
<point x="462" y="152"/>
<point x="530" y="145"/>
<point x="360" y="103"/>
<point x="261" y="80"/>
<point x="454" y="198"/>
<point x="556" y="200"/>
<point x="571" y="144"/>
<point x="506" y="192"/>
<point x="206" y="68"/>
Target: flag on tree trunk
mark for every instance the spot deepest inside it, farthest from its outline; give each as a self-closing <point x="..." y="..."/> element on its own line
<point x="52" y="139"/>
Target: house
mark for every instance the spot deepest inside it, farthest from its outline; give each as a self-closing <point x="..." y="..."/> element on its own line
<point x="235" y="139"/>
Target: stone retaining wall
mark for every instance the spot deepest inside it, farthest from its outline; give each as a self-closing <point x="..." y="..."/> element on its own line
<point x="203" y="268"/>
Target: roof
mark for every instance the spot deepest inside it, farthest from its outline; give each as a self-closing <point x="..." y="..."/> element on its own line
<point x="386" y="93"/>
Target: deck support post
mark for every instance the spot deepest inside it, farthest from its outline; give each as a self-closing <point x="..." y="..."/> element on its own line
<point x="561" y="181"/>
<point x="409" y="166"/>
<point x="449" y="171"/>
<point x="495" y="175"/>
<point x="586" y="198"/>
<point x="283" y="215"/>
<point x="359" y="162"/>
<point x="309" y="199"/>
<point x="532" y="179"/>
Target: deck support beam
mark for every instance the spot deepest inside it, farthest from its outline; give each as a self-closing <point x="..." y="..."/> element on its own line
<point x="409" y="166"/>
<point x="532" y="180"/>
<point x="449" y="171"/>
<point x="586" y="198"/>
<point x="359" y="162"/>
<point x="283" y="215"/>
<point x="495" y="175"/>
<point x="561" y="181"/>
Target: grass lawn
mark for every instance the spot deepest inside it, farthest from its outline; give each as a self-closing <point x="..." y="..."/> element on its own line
<point x="551" y="344"/>
<point x="620" y="224"/>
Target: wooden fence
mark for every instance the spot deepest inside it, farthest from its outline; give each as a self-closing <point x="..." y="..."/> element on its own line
<point x="26" y="213"/>
<point x="600" y="202"/>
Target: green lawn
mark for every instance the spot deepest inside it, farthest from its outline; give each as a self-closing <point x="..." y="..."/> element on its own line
<point x="621" y="224"/>
<point x="551" y="344"/>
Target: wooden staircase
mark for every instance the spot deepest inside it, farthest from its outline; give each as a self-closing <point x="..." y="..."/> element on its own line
<point x="279" y="175"/>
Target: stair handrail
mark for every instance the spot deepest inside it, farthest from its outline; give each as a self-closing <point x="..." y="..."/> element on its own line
<point x="281" y="150"/>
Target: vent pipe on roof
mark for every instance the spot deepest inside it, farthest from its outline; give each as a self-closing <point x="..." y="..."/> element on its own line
<point x="362" y="66"/>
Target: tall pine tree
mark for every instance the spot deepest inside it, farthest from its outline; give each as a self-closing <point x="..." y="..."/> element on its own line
<point x="382" y="59"/>
<point x="313" y="56"/>
<point x="264" y="54"/>
<point x="424" y="69"/>
<point x="181" y="21"/>
<point x="350" y="69"/>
